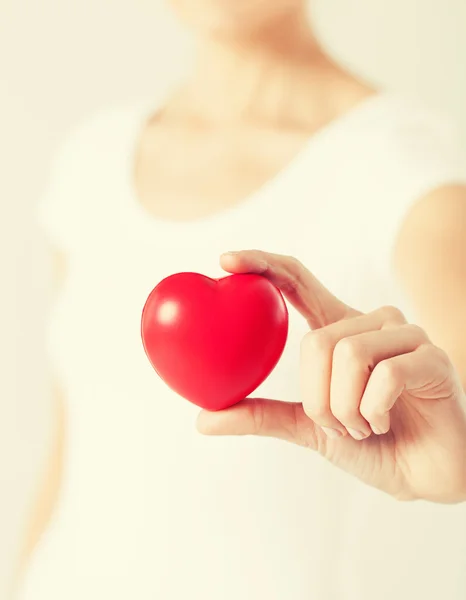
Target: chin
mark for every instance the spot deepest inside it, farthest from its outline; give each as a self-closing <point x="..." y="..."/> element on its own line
<point x="233" y="18"/>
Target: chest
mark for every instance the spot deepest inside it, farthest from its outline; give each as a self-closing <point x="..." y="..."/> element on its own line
<point x="316" y="210"/>
<point x="187" y="173"/>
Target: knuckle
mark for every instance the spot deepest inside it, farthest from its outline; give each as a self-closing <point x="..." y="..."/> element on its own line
<point x="258" y="416"/>
<point x="294" y="262"/>
<point x="367" y="413"/>
<point x="393" y="314"/>
<point x="388" y="373"/>
<point x="371" y="412"/>
<point x="319" y="413"/>
<point x="344" y="413"/>
<point x="417" y="332"/>
<point x="295" y="265"/>
<point x="296" y="271"/>
<point x="350" y="351"/>
<point x="317" y="342"/>
<point x="440" y="356"/>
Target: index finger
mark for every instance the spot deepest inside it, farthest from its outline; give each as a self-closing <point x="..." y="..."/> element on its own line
<point x="299" y="286"/>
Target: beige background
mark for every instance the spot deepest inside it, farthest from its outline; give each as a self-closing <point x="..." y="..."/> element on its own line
<point x="61" y="60"/>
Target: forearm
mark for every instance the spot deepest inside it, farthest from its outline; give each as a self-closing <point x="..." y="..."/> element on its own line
<point x="47" y="491"/>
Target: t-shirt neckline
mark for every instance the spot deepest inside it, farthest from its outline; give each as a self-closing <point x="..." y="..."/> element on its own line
<point x="144" y="220"/>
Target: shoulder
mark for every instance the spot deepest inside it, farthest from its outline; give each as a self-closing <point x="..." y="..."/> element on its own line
<point x="430" y="241"/>
<point x="93" y="148"/>
<point x="408" y="159"/>
<point x="429" y="263"/>
<point x="94" y="152"/>
<point x="408" y="152"/>
<point x="414" y="134"/>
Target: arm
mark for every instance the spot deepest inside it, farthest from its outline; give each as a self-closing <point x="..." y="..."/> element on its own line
<point x="430" y="261"/>
<point x="49" y="481"/>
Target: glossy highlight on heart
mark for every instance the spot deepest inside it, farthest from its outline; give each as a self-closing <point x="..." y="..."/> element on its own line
<point x="214" y="341"/>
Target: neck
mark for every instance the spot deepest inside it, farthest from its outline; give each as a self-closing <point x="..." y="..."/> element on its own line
<point x="236" y="78"/>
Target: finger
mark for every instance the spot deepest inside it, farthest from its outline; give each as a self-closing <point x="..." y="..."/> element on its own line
<point x="423" y="369"/>
<point x="317" y="350"/>
<point x="387" y="316"/>
<point x="268" y="418"/>
<point x="304" y="291"/>
<point x="315" y="376"/>
<point x="354" y="359"/>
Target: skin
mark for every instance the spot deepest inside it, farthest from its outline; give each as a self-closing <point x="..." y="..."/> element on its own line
<point x="249" y="106"/>
<point x="378" y="399"/>
<point x="260" y="87"/>
<point x="49" y="482"/>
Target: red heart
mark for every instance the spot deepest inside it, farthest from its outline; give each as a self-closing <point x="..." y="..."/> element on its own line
<point x="214" y="341"/>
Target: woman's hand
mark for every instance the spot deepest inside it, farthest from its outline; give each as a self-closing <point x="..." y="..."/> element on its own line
<point x="378" y="399"/>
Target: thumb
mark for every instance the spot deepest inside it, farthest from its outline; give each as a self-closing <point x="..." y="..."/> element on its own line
<point x="267" y="418"/>
<point x="299" y="286"/>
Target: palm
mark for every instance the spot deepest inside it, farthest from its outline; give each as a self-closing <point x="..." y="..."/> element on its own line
<point x="409" y="462"/>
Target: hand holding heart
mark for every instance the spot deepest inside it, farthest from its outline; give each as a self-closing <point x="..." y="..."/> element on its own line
<point x="378" y="399"/>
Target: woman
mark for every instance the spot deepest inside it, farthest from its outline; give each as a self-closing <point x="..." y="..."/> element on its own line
<point x="271" y="145"/>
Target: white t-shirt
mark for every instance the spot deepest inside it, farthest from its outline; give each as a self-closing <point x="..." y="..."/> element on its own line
<point x="151" y="510"/>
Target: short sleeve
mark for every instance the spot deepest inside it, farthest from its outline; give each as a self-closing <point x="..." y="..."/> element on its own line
<point x="421" y="154"/>
<point x="432" y="155"/>
<point x="418" y="154"/>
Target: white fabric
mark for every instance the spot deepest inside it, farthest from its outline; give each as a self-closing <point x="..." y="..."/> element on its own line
<point x="149" y="508"/>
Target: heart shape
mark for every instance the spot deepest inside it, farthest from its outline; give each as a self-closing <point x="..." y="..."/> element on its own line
<point x="214" y="341"/>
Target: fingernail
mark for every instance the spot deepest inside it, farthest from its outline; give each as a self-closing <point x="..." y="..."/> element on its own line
<point x="230" y="253"/>
<point x="331" y="433"/>
<point x="357" y="435"/>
